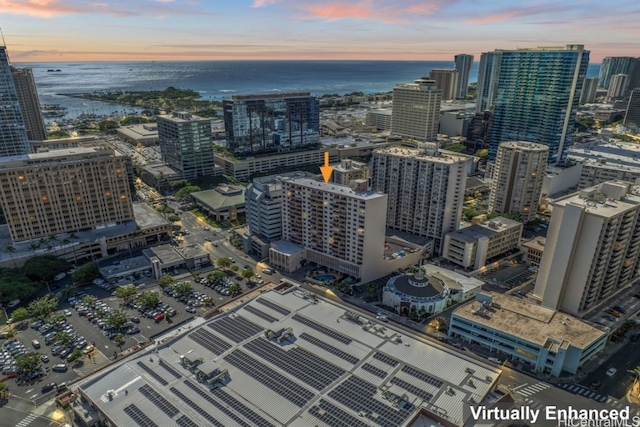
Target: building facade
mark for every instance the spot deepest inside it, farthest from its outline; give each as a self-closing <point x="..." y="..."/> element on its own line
<point x="613" y="65"/>
<point x="447" y="82"/>
<point x="350" y="170"/>
<point x="545" y="340"/>
<point x="617" y="87"/>
<point x="589" y="90"/>
<point x="425" y="189"/>
<point x="472" y="246"/>
<point x="13" y="134"/>
<point x="632" y="115"/>
<point x="463" y="62"/>
<point x="517" y="176"/>
<point x="533" y="250"/>
<point x="380" y="119"/>
<point x="534" y="95"/>
<point x="416" y="110"/>
<point x="271" y="123"/>
<point x="186" y="144"/>
<point x="592" y="247"/>
<point x="338" y="228"/>
<point x="63" y="191"/>
<point x="27" y="93"/>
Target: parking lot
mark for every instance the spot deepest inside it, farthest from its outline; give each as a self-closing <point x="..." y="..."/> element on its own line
<point x="620" y="308"/>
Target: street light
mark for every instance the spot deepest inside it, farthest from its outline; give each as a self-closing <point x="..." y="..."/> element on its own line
<point x="48" y="288"/>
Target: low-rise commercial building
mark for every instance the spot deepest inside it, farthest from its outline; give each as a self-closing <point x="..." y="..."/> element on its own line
<point x="165" y="258"/>
<point x="224" y="203"/>
<point x="533" y="250"/>
<point x="145" y="134"/>
<point x="546" y="340"/>
<point x="472" y="246"/>
<point x="349" y="170"/>
<point x="429" y="291"/>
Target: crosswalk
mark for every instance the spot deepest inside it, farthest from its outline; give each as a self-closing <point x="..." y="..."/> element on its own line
<point x="27" y="420"/>
<point x="586" y="392"/>
<point x="527" y="390"/>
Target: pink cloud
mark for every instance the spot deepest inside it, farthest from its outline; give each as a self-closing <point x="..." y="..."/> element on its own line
<point x="520" y="12"/>
<point x="40" y="8"/>
<point x="376" y="10"/>
<point x="263" y="3"/>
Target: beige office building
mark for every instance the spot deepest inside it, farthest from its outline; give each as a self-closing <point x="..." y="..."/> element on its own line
<point x="472" y="246"/>
<point x="350" y="170"/>
<point x="517" y="176"/>
<point x="67" y="190"/>
<point x="416" y="110"/>
<point x="447" y="81"/>
<point x="425" y="189"/>
<point x="333" y="226"/>
<point x="592" y="247"/>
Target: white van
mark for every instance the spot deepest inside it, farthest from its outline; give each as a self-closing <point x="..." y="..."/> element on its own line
<point x="13" y="303"/>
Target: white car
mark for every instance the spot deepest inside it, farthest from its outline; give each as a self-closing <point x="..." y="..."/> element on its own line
<point x="68" y="313"/>
<point x="611" y="372"/>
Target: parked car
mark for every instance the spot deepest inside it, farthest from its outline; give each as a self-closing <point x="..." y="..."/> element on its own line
<point x="44" y="358"/>
<point x="611" y="372"/>
<point x="60" y="367"/>
<point x="35" y="344"/>
<point x="595" y="385"/>
<point x="135" y="319"/>
<point x="190" y="310"/>
<point x="48" y="387"/>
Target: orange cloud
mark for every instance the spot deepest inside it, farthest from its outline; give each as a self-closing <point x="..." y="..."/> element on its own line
<point x="340" y="11"/>
<point x="39" y="8"/>
<point x="518" y="13"/>
<point x="379" y="10"/>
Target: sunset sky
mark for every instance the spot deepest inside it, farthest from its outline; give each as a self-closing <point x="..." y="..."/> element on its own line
<point x="111" y="30"/>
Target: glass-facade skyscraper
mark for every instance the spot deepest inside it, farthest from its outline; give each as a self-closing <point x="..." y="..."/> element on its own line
<point x="534" y="95"/>
<point x="612" y="65"/>
<point x="271" y="123"/>
<point x="13" y="135"/>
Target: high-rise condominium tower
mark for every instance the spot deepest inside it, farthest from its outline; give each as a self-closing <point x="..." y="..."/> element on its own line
<point x="589" y="90"/>
<point x="64" y="190"/>
<point x="447" y="81"/>
<point x="27" y="93"/>
<point x="271" y="123"/>
<point x="186" y="144"/>
<point x="617" y="86"/>
<point x="416" y="110"/>
<point x="425" y="189"/>
<point x="463" y="66"/>
<point x="613" y="65"/>
<point x="13" y="136"/>
<point x="339" y="228"/>
<point x="632" y="117"/>
<point x="592" y="247"/>
<point x="517" y="178"/>
<point x="534" y="94"/>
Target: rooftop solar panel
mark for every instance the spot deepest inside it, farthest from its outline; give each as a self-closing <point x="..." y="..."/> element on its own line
<point x="185" y="421"/>
<point x="170" y="369"/>
<point x="328" y="347"/>
<point x="322" y="329"/>
<point x="261" y="314"/>
<point x="206" y="396"/>
<point x="412" y="389"/>
<point x="157" y="399"/>
<point x="273" y="306"/>
<point x="385" y="359"/>
<point x="211" y="342"/>
<point x="139" y="417"/>
<point x="373" y="370"/>
<point x="236" y="329"/>
<point x="204" y="414"/>
<point x="256" y="419"/>
<point x="153" y="374"/>
<point x="422" y="376"/>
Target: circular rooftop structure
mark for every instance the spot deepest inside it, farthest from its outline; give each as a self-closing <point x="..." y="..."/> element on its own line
<point x="419" y="286"/>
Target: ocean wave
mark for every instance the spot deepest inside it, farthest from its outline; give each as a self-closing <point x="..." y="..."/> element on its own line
<point x="274" y="90"/>
<point x="227" y="90"/>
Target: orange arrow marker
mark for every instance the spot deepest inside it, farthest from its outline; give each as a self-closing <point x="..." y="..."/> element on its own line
<point x="326" y="169"/>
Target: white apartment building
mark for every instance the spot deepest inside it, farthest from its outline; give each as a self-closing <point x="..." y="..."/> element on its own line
<point x="416" y="110"/>
<point x="334" y="226"/>
<point x="425" y="189"/>
<point x="517" y="176"/>
<point x="380" y="118"/>
<point x="592" y="247"/>
<point x="472" y="246"/>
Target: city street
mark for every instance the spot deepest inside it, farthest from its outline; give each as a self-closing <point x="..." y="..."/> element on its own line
<point x="627" y="358"/>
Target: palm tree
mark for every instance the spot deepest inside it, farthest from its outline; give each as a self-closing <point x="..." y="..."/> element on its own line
<point x="11" y="250"/>
<point x="33" y="247"/>
<point x="635" y="388"/>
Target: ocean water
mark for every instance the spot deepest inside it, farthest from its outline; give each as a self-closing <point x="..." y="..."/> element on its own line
<point x="216" y="80"/>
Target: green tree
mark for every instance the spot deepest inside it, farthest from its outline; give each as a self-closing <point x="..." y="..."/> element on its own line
<point x="86" y="273"/>
<point x="88" y="300"/>
<point x="43" y="306"/>
<point x="68" y="291"/>
<point x="223" y="262"/>
<point x="234" y="267"/>
<point x="469" y="213"/>
<point x="247" y="273"/>
<point x="119" y="339"/>
<point x="482" y="153"/>
<point x="515" y="216"/>
<point x="492" y="215"/>
<point x="183" y="288"/>
<point x="20" y="313"/>
<point x="45" y="267"/>
<point x="29" y="362"/>
<point x="148" y="299"/>
<point x="108" y="126"/>
<point x="75" y="355"/>
<point x="173" y="218"/>
<point x="458" y="148"/>
<point x="166" y="281"/>
<point x="372" y="289"/>
<point x="215" y="277"/>
<point x="14" y="285"/>
<point x="126" y="292"/>
<point x="11" y="250"/>
<point x="55" y="318"/>
<point x="117" y="318"/>
<point x="185" y="191"/>
<point x="63" y="338"/>
<point x="234" y="289"/>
